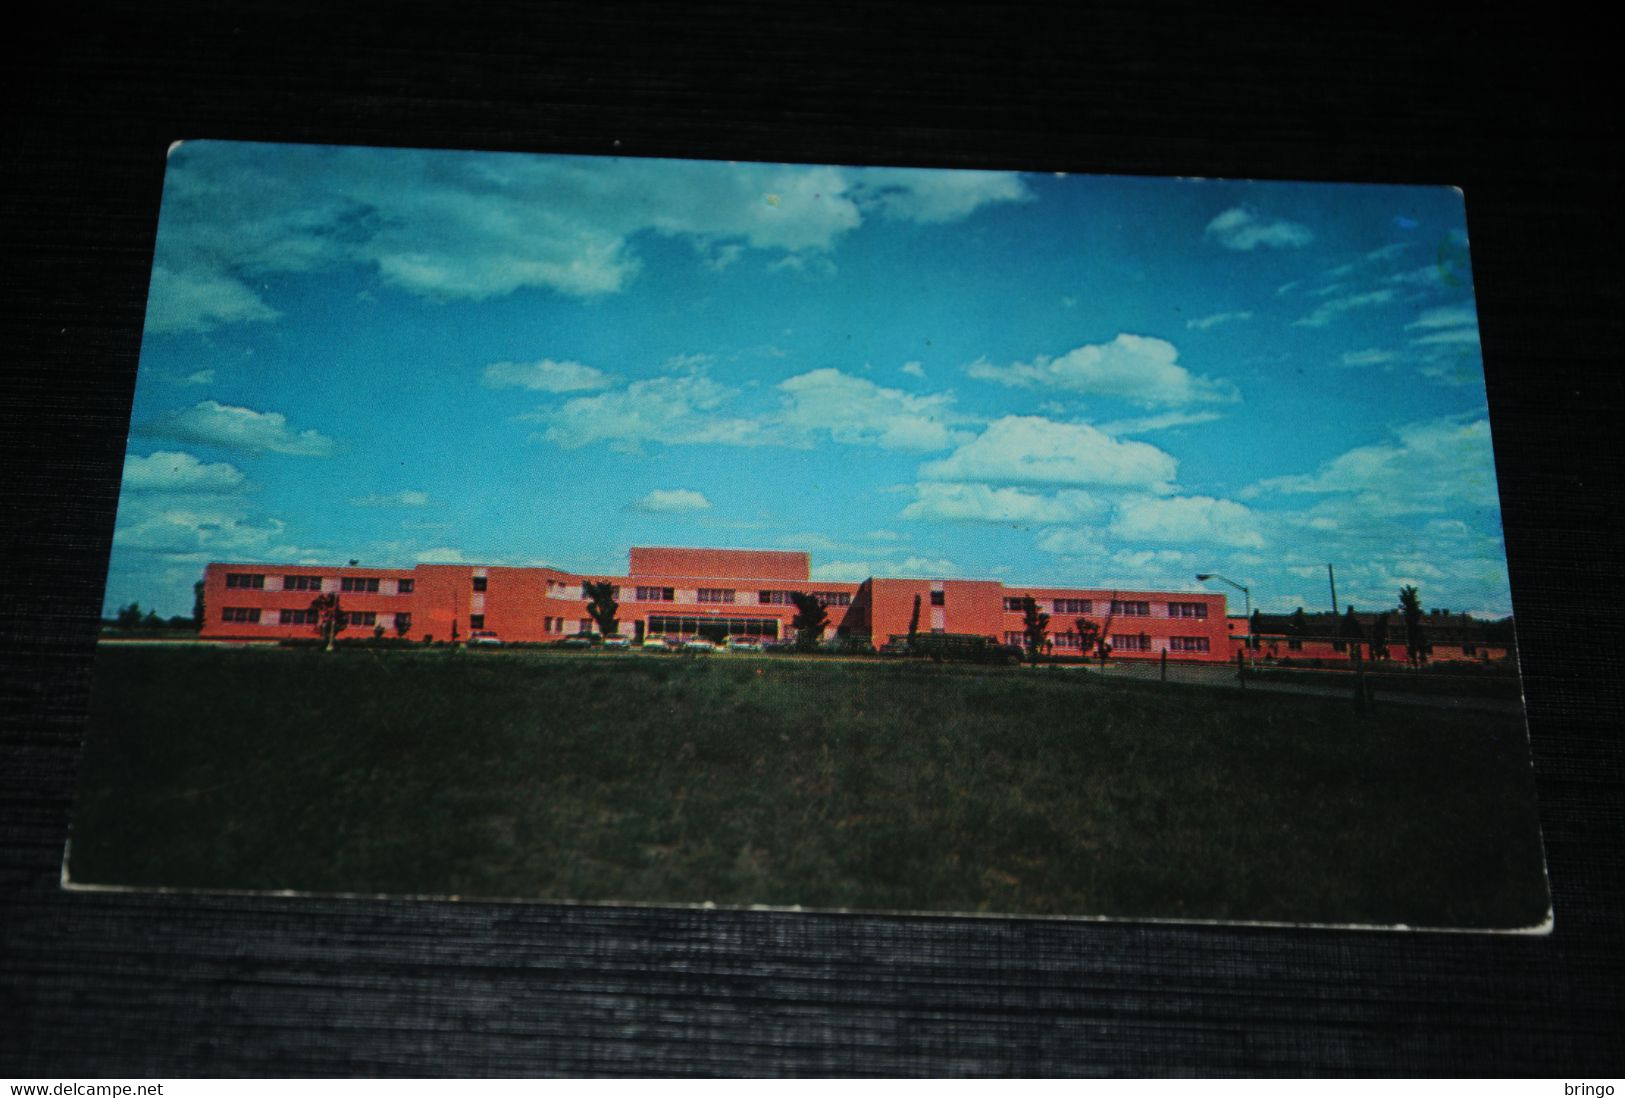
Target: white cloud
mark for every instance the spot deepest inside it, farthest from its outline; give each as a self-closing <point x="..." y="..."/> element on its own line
<point x="200" y="300"/>
<point x="912" y="369"/>
<point x="672" y="501"/>
<point x="856" y="571"/>
<point x="673" y="410"/>
<point x="544" y="376"/>
<point x="1163" y="422"/>
<point x="1142" y="561"/>
<point x="234" y="428"/>
<point x="1446" y="316"/>
<point x="443" y="554"/>
<point x="1449" y="337"/>
<point x="215" y="529"/>
<point x="929" y="566"/>
<point x="981" y="503"/>
<point x="1034" y="450"/>
<point x="1187" y="520"/>
<point x="1388" y="251"/>
<point x="856" y="411"/>
<point x="1329" y="311"/>
<point x="175" y="471"/>
<point x="199" y="377"/>
<point x="1242" y="230"/>
<point x="473" y="226"/>
<point x="1431" y="275"/>
<point x="1371" y="356"/>
<point x="1142" y="369"/>
<point x="1202" y="324"/>
<point x="929" y="197"/>
<point x="1434" y="466"/>
<point x="1074" y="541"/>
<point x="406" y="497"/>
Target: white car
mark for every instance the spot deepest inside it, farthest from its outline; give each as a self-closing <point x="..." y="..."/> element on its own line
<point x="617" y="642"/>
<point x="654" y="642"/>
<point x="484" y="637"/>
<point x="699" y="644"/>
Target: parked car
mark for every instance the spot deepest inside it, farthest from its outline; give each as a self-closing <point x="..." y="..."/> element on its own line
<point x="580" y="640"/>
<point x="617" y="642"/>
<point x="744" y="644"/>
<point x="484" y="637"/>
<point x="654" y="642"/>
<point x="698" y="644"/>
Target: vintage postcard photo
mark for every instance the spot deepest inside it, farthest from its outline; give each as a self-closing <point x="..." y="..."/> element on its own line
<point x="605" y="530"/>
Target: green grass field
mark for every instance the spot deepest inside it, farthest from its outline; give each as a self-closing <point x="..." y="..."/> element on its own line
<point x="739" y="780"/>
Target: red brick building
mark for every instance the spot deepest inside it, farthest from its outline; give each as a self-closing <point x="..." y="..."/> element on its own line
<point x="1448" y="637"/>
<point x="686" y="593"/>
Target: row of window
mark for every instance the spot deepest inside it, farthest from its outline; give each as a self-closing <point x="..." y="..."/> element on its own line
<point x="251" y="615"/>
<point x="1128" y="608"/>
<point x="1057" y="640"/>
<point x="1132" y="642"/>
<point x="1126" y="642"/>
<point x="255" y="581"/>
<point x="740" y="627"/>
<point x="728" y="596"/>
<point x="787" y="598"/>
<point x="558" y="625"/>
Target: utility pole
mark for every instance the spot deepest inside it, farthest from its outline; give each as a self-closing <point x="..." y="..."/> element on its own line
<point x="1332" y="579"/>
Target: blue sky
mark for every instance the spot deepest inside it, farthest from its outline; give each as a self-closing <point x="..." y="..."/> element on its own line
<point x="398" y="356"/>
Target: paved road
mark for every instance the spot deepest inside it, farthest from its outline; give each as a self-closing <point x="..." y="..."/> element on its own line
<point x="1213" y="674"/>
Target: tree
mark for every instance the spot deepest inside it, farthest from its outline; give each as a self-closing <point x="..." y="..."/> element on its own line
<point x="329" y="617"/>
<point x="1103" y="632"/>
<point x="152" y="620"/>
<point x="1089" y="636"/>
<point x="1035" y="625"/>
<point x="403" y="622"/>
<point x="198" y="607"/>
<point x="1379" y="637"/>
<point x="601" y="606"/>
<point x="1349" y="630"/>
<point x="1416" y="645"/>
<point x="1299" y="625"/>
<point x="810" y="620"/>
<point x="1255" y="627"/>
<point x="129" y="617"/>
<point x="914" y="625"/>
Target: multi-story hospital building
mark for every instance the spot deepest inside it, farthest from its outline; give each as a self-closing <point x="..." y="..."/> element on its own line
<point x="711" y="593"/>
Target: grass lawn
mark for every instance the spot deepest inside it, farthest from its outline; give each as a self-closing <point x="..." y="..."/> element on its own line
<point x="740" y="780"/>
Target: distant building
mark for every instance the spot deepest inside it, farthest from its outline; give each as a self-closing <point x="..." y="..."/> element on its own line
<point x="684" y="593"/>
<point x="1450" y="637"/>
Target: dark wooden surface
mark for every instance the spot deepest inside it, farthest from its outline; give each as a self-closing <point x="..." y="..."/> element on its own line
<point x="1520" y="112"/>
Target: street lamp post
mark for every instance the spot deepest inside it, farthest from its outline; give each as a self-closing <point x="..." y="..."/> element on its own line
<point x="1203" y="577"/>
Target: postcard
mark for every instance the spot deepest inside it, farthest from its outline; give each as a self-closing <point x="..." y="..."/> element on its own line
<point x="628" y="531"/>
